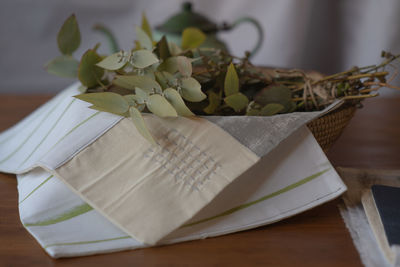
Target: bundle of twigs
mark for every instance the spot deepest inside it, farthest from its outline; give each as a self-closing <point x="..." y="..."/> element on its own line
<point x="314" y="91"/>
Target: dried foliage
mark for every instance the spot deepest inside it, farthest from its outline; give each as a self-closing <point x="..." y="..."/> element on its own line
<point x="170" y="80"/>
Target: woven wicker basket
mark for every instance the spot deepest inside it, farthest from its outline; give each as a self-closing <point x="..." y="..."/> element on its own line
<point x="329" y="127"/>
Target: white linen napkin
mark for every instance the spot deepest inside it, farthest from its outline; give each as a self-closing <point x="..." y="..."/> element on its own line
<point x="131" y="183"/>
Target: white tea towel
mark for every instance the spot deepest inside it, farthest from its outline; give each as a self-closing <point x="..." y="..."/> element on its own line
<point x="294" y="177"/>
<point x="193" y="163"/>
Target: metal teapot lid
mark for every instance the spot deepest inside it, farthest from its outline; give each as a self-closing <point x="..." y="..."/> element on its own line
<point x="187" y="18"/>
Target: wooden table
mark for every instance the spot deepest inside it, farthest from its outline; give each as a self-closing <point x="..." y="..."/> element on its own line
<point x="314" y="238"/>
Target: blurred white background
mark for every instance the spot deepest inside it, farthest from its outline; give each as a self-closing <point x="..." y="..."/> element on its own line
<point x="329" y="36"/>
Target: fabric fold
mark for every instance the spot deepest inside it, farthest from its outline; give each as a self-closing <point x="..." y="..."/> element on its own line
<point x="294" y="177"/>
<point x="148" y="192"/>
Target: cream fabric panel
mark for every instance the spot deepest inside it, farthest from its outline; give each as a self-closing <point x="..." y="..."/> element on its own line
<point x="133" y="183"/>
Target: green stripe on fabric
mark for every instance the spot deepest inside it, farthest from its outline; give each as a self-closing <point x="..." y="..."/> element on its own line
<point x="246" y="205"/>
<point x="79" y="210"/>
<point x="32" y="117"/>
<point x="73" y="129"/>
<point x="86" y="242"/>
<point x="36" y="188"/>
<point x="31" y="133"/>
<point x="31" y="120"/>
<point x="48" y="133"/>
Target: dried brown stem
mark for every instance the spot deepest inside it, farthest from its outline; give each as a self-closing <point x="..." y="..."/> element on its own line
<point x="382" y="85"/>
<point x="367" y="75"/>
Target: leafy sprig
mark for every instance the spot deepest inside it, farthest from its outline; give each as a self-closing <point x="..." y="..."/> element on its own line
<point x="170" y="80"/>
<point x="152" y="77"/>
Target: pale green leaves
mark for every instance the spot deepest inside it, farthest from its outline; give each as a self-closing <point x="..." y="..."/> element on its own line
<point x="143" y="58"/>
<point x="233" y="98"/>
<point x="159" y="106"/>
<point x="69" y="36"/>
<point x="113" y="62"/>
<point x="138" y="121"/>
<point x="88" y="73"/>
<point x="191" y="90"/>
<point x="143" y="82"/>
<point x="134" y="100"/>
<point x="68" y="40"/>
<point x="131" y="105"/>
<point x="146" y="26"/>
<point x="214" y="102"/>
<point x="267" y="110"/>
<point x="272" y="100"/>
<point x="143" y="39"/>
<point x="63" y="66"/>
<point x="107" y="101"/>
<point x="174" y="49"/>
<point x="180" y="64"/>
<point x="177" y="102"/>
<point x="277" y="94"/>
<point x="237" y="101"/>
<point x="141" y="95"/>
<point x="140" y="59"/>
<point x="166" y="79"/>
<point x="231" y="84"/>
<point x="192" y="38"/>
<point x="271" y="109"/>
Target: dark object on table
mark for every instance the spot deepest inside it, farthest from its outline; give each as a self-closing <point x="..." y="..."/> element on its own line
<point x="382" y="206"/>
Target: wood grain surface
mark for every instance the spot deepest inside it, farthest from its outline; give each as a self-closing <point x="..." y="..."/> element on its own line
<point x="315" y="238"/>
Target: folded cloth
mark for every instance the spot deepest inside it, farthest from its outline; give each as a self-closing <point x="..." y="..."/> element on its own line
<point x="146" y="191"/>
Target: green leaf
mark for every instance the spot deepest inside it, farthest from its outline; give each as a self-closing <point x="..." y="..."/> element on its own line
<point x="276" y="94"/>
<point x="174" y="49"/>
<point x="138" y="121"/>
<point x="143" y="82"/>
<point x="146" y="26"/>
<point x="88" y="73"/>
<point x="161" y="79"/>
<point x="143" y="58"/>
<point x="144" y="39"/>
<point x="191" y="90"/>
<point x="131" y="99"/>
<point x="237" y="101"/>
<point x="214" y="102"/>
<point x="169" y="65"/>
<point x="141" y="95"/>
<point x="63" y="66"/>
<point x="106" y="101"/>
<point x="175" y="64"/>
<point x="184" y="66"/>
<point x="177" y="102"/>
<point x="149" y="72"/>
<point x="162" y="49"/>
<point x="69" y="36"/>
<point x="158" y="105"/>
<point x="165" y="79"/>
<point x="192" y="38"/>
<point x="114" y="62"/>
<point x="253" y="112"/>
<point x="271" y="109"/>
<point x="126" y="114"/>
<point x="231" y="84"/>
<point x="135" y="101"/>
